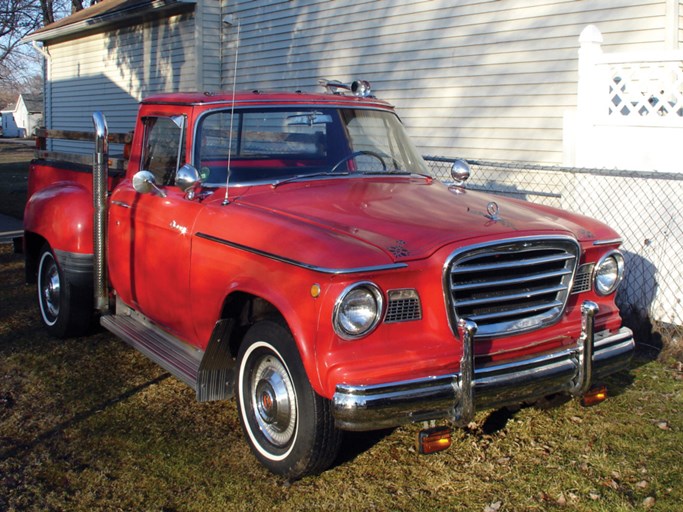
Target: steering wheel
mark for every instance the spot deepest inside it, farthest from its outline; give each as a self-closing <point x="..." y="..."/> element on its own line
<point x="356" y="154"/>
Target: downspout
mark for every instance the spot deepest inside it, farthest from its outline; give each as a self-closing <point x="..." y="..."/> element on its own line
<point x="40" y="50"/>
<point x="100" y="173"/>
<point x="672" y="25"/>
<point x="47" y="94"/>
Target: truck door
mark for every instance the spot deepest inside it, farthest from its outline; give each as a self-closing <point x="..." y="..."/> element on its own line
<point x="150" y="234"/>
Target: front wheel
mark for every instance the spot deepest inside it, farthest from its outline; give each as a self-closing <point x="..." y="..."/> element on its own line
<point x="65" y="307"/>
<point x="289" y="427"/>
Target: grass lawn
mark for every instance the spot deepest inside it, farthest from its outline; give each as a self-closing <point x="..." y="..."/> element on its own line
<point x="90" y="424"/>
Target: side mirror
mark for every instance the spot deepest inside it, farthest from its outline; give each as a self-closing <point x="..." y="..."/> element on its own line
<point x="187" y="178"/>
<point x="460" y="172"/>
<point x="144" y="183"/>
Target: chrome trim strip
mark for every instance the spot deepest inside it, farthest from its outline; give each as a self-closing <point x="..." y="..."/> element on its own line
<point x="509" y="296"/>
<point x="462" y="269"/>
<point x="613" y="241"/>
<point x="505" y="282"/>
<point x="121" y="203"/>
<point x="388" y="405"/>
<point x="260" y="102"/>
<point x="550" y="307"/>
<point x="288" y="261"/>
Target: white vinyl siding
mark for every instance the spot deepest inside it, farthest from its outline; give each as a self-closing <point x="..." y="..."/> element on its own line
<point x="113" y="71"/>
<point x="207" y="45"/>
<point x="478" y="79"/>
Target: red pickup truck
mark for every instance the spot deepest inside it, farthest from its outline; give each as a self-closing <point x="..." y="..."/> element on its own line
<point x="293" y="250"/>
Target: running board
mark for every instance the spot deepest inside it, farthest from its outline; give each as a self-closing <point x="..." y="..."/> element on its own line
<point x="178" y="358"/>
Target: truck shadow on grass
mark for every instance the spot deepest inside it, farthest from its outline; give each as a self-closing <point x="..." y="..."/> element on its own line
<point x="357" y="443"/>
<point x="616" y="384"/>
<point x="20" y="447"/>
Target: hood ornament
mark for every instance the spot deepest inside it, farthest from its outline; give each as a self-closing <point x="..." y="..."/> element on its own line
<point x="492" y="211"/>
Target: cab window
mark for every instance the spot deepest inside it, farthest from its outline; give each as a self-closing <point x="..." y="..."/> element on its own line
<point x="163" y="151"/>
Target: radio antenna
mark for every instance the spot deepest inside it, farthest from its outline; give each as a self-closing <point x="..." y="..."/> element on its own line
<point x="230" y="20"/>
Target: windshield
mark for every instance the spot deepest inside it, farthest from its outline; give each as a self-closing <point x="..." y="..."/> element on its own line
<point x="276" y="144"/>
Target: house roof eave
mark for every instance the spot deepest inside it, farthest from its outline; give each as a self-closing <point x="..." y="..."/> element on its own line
<point x="129" y="12"/>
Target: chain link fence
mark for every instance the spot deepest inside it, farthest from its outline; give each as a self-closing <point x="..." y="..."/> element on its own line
<point x="646" y="208"/>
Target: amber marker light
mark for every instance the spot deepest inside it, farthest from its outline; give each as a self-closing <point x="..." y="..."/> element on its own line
<point x="432" y="440"/>
<point x="594" y="396"/>
<point x="315" y="291"/>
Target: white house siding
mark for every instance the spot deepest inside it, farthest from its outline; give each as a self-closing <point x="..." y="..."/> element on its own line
<point x="207" y="46"/>
<point x="479" y="79"/>
<point x="112" y="71"/>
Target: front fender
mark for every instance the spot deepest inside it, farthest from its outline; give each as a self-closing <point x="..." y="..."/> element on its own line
<point x="62" y="214"/>
<point x="217" y="281"/>
<point x="299" y="311"/>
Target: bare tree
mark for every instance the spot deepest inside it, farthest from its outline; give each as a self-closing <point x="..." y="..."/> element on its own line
<point x="18" y="18"/>
<point x="47" y="6"/>
<point x="76" y="5"/>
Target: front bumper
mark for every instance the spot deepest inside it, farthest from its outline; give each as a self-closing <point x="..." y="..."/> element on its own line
<point x="458" y="395"/>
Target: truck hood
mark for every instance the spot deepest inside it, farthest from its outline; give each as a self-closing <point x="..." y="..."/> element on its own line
<point x="383" y="220"/>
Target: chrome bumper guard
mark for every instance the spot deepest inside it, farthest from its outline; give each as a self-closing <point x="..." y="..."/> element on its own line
<point x="457" y="396"/>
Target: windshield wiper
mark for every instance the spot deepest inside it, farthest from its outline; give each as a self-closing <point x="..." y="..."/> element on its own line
<point x="312" y="175"/>
<point x="396" y="172"/>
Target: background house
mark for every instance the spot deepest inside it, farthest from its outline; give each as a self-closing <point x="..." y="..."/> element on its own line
<point x="9" y="125"/>
<point x="28" y="113"/>
<point x="22" y="118"/>
<point x="479" y="79"/>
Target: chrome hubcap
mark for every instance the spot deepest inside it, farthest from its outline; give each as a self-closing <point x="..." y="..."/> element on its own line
<point x="50" y="289"/>
<point x="274" y="401"/>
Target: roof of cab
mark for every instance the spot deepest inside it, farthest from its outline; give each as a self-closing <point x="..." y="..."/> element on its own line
<point x="253" y="98"/>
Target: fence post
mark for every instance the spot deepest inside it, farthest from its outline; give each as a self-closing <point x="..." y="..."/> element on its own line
<point x="590" y="101"/>
<point x="592" y="98"/>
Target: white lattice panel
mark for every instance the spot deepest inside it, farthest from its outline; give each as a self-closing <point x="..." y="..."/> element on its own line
<point x="646" y="89"/>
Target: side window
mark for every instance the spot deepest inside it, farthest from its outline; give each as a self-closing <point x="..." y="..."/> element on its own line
<point x="164" y="150"/>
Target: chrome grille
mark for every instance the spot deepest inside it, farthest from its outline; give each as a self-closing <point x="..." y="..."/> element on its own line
<point x="511" y="286"/>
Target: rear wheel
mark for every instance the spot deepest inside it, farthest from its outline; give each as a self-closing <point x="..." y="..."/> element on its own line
<point x="65" y="308"/>
<point x="289" y="427"/>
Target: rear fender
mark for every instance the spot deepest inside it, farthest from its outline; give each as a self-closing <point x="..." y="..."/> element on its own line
<point x="62" y="215"/>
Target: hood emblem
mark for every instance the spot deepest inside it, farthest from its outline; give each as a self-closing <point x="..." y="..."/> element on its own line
<point x="492" y="211"/>
<point x="399" y="249"/>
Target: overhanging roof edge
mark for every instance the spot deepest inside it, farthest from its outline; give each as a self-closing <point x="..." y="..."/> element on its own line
<point x="102" y="21"/>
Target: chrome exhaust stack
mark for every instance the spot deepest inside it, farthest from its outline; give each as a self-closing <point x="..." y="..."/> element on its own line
<point x="100" y="174"/>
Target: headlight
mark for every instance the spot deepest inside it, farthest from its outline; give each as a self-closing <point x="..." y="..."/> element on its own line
<point x="608" y="273"/>
<point x="358" y="310"/>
